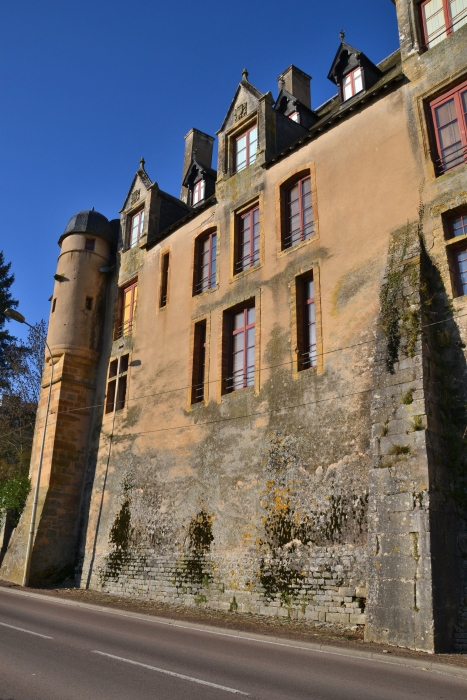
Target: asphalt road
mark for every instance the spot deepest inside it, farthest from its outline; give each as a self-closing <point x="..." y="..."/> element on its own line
<point x="51" y="651"/>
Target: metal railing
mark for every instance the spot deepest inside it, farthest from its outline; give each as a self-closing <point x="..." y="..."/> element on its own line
<point x="452" y="160"/>
<point x="247" y="261"/>
<point x="125" y="329"/>
<point x="309" y="359"/>
<point x="205" y="283"/>
<point x="447" y="30"/>
<point x="299" y="235"/>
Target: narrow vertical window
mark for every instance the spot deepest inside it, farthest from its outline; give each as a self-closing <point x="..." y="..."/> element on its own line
<point x="198" y="192"/>
<point x="245" y="148"/>
<point x="54" y="304"/>
<point x="128" y="300"/>
<point x="89" y="244"/>
<point x="449" y="114"/>
<point x="205" y="269"/>
<point x="164" y="280"/>
<point x="136" y="228"/>
<point x="117" y="384"/>
<point x="461" y="257"/>
<point x="299" y="213"/>
<point x="306" y="322"/>
<point x="242" y="352"/>
<point x="89" y="303"/>
<point x="248" y="240"/>
<point x="199" y="363"/>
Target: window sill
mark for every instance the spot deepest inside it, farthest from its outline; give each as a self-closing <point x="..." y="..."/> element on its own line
<point x="298" y="246"/>
<point x="244" y="273"/>
<point x="214" y="288"/>
<point x="228" y="396"/>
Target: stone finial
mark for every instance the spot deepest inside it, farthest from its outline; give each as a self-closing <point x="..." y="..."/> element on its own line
<point x="245" y="74"/>
<point x="141" y="164"/>
<point x="342" y="34"/>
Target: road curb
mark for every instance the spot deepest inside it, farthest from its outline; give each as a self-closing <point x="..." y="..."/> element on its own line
<point x="423" y="664"/>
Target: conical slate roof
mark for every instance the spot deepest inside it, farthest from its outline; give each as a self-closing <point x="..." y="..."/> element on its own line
<point x="89" y="221"/>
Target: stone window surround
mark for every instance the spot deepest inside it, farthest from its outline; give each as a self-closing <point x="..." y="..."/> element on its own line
<point x="453" y="245"/>
<point x="198" y="239"/>
<point x="127" y="219"/>
<point x="297" y="371"/>
<point x="165" y="259"/>
<point x="230" y="139"/>
<point x="190" y="406"/>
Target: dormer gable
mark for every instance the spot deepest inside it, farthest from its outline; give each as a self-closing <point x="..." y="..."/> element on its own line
<point x="292" y="108"/>
<point x="147" y="211"/>
<point x="245" y="101"/>
<point x="352" y="71"/>
<point x="200" y="182"/>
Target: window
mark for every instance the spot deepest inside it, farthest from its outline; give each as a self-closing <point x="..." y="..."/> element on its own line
<point x="461" y="259"/>
<point x="440" y="18"/>
<point x="245" y="148"/>
<point x="248" y="239"/>
<point x="306" y="322"/>
<point x="294" y="116"/>
<point x="299" y="224"/>
<point x="136" y="228"/>
<point x="54" y="304"/>
<point x="88" y="303"/>
<point x="352" y="83"/>
<point x="449" y="114"/>
<point x="205" y="263"/>
<point x="239" y="369"/>
<point x="198" y="192"/>
<point x="456" y="228"/>
<point x="164" y="280"/>
<point x="459" y="226"/>
<point x="117" y="384"/>
<point x="199" y="363"/>
<point x="128" y="299"/>
<point x="89" y="244"/>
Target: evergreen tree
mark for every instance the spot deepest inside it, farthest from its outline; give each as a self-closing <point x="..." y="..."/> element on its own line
<point x="6" y="300"/>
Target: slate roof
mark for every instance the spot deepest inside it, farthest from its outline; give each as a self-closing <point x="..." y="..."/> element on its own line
<point x="89" y="221"/>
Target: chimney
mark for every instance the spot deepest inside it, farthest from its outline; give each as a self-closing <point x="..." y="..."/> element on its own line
<point x="297" y="83"/>
<point x="199" y="145"/>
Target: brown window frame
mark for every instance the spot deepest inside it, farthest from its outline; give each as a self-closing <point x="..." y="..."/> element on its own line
<point x="198" y="379"/>
<point x="89" y="303"/>
<point x="90" y="244"/>
<point x="288" y="235"/>
<point x="202" y="282"/>
<point x="237" y="379"/>
<point x="243" y="262"/>
<point x="117" y="384"/>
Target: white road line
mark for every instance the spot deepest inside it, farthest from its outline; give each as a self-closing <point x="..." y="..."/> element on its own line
<point x="20" y="629"/>
<point x="171" y="673"/>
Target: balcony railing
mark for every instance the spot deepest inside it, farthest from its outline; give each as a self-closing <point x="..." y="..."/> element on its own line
<point x="205" y="283"/>
<point x="299" y="235"/>
<point x="452" y="160"/>
<point x="123" y="330"/>
<point x="240" y="380"/>
<point x="247" y="261"/>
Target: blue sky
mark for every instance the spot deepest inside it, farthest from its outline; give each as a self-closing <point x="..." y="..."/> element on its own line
<point x="90" y="86"/>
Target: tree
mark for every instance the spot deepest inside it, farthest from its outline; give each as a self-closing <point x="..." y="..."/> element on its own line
<point x="6" y="300"/>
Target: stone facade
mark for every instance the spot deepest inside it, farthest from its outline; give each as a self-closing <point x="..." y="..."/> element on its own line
<point x="333" y="491"/>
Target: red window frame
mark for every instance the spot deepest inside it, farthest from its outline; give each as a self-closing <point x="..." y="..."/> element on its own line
<point x="248" y="240"/>
<point x="458" y="224"/>
<point x="207" y="262"/>
<point x="461" y="270"/>
<point x="293" y="235"/>
<point x="243" y="349"/>
<point x="294" y="116"/>
<point x="198" y="192"/>
<point x="138" y="219"/>
<point x="459" y="156"/>
<point x="249" y="157"/>
<point x="351" y="75"/>
<point x="448" y="28"/>
<point x="126" y="321"/>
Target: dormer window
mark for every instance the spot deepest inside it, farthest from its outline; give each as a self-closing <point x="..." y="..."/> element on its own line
<point x="197" y="194"/>
<point x="136" y="228"/>
<point x="245" y="148"/>
<point x="352" y="83"/>
<point x="294" y="116"/>
<point x="441" y="18"/>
